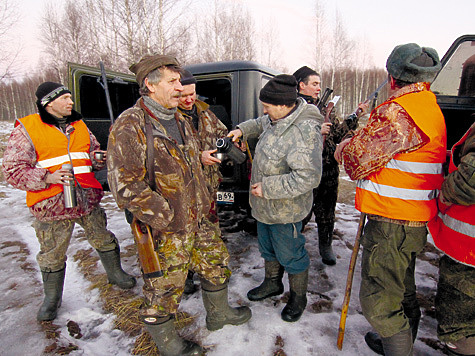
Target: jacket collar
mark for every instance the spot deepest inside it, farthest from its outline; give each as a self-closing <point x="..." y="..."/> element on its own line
<point x="49" y="119"/>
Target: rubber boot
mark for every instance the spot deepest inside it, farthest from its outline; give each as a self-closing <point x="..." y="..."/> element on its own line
<point x="190" y="286"/>
<point x="53" y="288"/>
<point x="298" y="297"/>
<point x="399" y="344"/>
<point x="218" y="311"/>
<point x="374" y="342"/>
<point x="325" y="238"/>
<point x="272" y="284"/>
<point x="168" y="342"/>
<point x="116" y="275"/>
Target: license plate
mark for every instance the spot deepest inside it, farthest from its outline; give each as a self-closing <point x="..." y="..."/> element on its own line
<point x="225" y="197"/>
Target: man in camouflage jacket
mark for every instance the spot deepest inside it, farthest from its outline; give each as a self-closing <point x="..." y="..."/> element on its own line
<point x="325" y="196"/>
<point x="286" y="167"/>
<point x="207" y="128"/>
<point x="175" y="206"/>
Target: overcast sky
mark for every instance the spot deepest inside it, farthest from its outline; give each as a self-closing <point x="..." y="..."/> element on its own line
<point x="379" y="24"/>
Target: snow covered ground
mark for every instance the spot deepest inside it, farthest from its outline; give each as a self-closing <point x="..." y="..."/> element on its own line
<point x="265" y="334"/>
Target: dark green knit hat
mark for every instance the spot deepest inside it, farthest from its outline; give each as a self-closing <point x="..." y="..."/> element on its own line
<point x="411" y="63"/>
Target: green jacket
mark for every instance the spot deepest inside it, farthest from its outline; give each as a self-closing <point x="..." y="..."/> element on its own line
<point x="288" y="162"/>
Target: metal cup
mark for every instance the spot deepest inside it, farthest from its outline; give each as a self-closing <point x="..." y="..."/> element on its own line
<point x="99" y="156"/>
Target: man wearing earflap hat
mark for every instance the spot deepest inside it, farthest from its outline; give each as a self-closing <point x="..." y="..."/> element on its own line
<point x="38" y="147"/>
<point x="154" y="171"/>
<point x="397" y="162"/>
<point x="287" y="166"/>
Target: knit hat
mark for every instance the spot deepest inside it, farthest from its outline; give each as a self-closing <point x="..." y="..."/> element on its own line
<point x="280" y="90"/>
<point x="149" y="63"/>
<point x="49" y="91"/>
<point x="303" y="73"/>
<point x="412" y="64"/>
<point x="187" y="78"/>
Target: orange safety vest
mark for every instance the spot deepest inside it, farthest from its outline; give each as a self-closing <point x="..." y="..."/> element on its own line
<point x="453" y="229"/>
<point x="405" y="189"/>
<point x="53" y="149"/>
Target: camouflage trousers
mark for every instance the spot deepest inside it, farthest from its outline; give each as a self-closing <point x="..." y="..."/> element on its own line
<point x="54" y="238"/>
<point x="325" y="197"/>
<point x="388" y="289"/>
<point x="203" y="252"/>
<point x="455" y="300"/>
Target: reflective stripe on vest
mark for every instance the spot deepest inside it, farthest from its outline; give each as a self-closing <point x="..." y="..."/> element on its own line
<point x="405" y="189"/>
<point x="51" y="146"/>
<point x="453" y="230"/>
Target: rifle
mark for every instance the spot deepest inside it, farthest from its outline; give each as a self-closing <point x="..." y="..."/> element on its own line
<point x="373" y="97"/>
<point x="349" y="282"/>
<point x="103" y="82"/>
<point x="323" y="99"/>
<point x="148" y="257"/>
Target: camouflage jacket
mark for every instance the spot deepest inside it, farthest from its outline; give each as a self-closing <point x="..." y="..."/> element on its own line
<point x="180" y="200"/>
<point x="288" y="162"/>
<point x="210" y="128"/>
<point x="338" y="131"/>
<point x="459" y="186"/>
<point x="19" y="168"/>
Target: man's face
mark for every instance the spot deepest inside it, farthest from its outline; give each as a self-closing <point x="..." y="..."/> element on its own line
<point x="188" y="97"/>
<point x="312" y="88"/>
<point x="275" y="112"/>
<point x="168" y="90"/>
<point x="60" y="107"/>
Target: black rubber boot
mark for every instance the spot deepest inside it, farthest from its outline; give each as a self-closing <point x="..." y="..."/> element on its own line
<point x="168" y="342"/>
<point x="116" y="275"/>
<point x="374" y="342"/>
<point x="53" y="288"/>
<point x="325" y="238"/>
<point x="218" y="310"/>
<point x="272" y="284"/>
<point x="399" y="345"/>
<point x="190" y="286"/>
<point x="298" y="297"/>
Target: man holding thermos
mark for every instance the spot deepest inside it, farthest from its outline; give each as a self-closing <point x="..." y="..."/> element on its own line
<point x="35" y="160"/>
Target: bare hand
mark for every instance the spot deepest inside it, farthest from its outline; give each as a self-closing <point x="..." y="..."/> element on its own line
<point x="362" y="108"/>
<point x="208" y="159"/>
<point x="339" y="150"/>
<point x="256" y="189"/>
<point x="326" y="126"/>
<point x="104" y="156"/>
<point x="61" y="176"/>
<point x="235" y="134"/>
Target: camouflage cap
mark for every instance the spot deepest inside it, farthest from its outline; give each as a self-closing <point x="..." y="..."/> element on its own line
<point x="412" y="63"/>
<point x="149" y="63"/>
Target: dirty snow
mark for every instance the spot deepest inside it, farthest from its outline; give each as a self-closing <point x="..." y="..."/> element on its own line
<point x="315" y="333"/>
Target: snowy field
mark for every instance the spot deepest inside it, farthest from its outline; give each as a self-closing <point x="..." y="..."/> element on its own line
<point x="265" y="334"/>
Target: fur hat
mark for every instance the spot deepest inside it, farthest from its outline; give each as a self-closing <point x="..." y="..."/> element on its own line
<point x="411" y="63"/>
<point x="303" y="73"/>
<point x="280" y="90"/>
<point x="49" y="91"/>
<point x="187" y="78"/>
<point x="149" y="63"/>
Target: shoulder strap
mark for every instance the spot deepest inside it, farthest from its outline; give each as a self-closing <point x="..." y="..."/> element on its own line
<point x="150" y="165"/>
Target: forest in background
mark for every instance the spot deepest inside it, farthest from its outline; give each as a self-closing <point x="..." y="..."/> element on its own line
<point x="120" y="32"/>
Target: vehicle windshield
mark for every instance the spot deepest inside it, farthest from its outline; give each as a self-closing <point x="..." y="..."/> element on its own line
<point x="457" y="77"/>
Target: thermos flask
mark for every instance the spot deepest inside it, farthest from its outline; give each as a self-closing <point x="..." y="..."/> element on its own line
<point x="69" y="190"/>
<point x="226" y="146"/>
